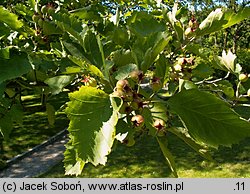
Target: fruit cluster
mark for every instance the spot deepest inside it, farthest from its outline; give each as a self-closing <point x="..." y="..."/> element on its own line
<point x="192" y="26"/>
<point x="43" y="19"/>
<point x="182" y="69"/>
<point x="134" y="103"/>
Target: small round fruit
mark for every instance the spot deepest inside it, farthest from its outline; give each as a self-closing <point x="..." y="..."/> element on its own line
<point x="177" y="67"/>
<point x="51" y="10"/>
<point x="156" y="84"/>
<point x="125" y="108"/>
<point x="248" y="92"/>
<point x="118" y="93"/>
<point x="121" y="84"/>
<point x="243" y="77"/>
<point x="138" y="120"/>
<point x="159" y="124"/>
<point x="136" y="75"/>
<point x="181" y="61"/>
<point x="129" y="142"/>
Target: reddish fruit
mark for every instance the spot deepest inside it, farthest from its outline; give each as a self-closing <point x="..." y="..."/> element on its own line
<point x="118" y="93"/>
<point x="182" y="61"/>
<point x="138" y="120"/>
<point x="159" y="124"/>
<point x="122" y="84"/>
<point x="136" y="75"/>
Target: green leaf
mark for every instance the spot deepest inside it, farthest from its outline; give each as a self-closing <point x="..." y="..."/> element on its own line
<point x="71" y="165"/>
<point x="217" y="20"/>
<point x="152" y="53"/>
<point x="70" y="25"/>
<point x="123" y="57"/>
<point x="208" y="119"/>
<point x="10" y="19"/>
<point x="81" y="62"/>
<point x="234" y="18"/>
<point x="167" y="154"/>
<point x="50" y="110"/>
<point x="50" y="28"/>
<point x="147" y="26"/>
<point x="6" y="126"/>
<point x="148" y="117"/>
<point x="159" y="110"/>
<point x="16" y="113"/>
<point x="32" y="4"/>
<point x="92" y="126"/>
<point x="93" y="49"/>
<point x="183" y="134"/>
<point x="124" y="71"/>
<point x="58" y="83"/>
<point x="5" y="53"/>
<point x="120" y="36"/>
<point x="17" y="65"/>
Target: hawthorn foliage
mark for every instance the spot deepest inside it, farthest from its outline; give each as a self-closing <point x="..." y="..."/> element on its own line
<point x="132" y="68"/>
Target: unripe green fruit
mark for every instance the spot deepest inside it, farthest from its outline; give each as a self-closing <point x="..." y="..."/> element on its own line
<point x="156" y="84"/>
<point x="51" y="10"/>
<point x="128" y="96"/>
<point x="243" y="77"/>
<point x="35" y="18"/>
<point x="121" y="84"/>
<point x="138" y="120"/>
<point x="248" y="92"/>
<point x="125" y="108"/>
<point x="129" y="142"/>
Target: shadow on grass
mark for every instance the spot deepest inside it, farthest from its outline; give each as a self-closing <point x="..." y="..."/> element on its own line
<point x="35" y="128"/>
<point x="146" y="160"/>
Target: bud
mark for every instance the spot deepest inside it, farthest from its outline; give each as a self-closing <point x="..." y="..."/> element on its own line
<point x="243" y="77"/>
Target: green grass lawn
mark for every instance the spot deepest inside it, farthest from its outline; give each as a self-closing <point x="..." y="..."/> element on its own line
<point x="145" y="160"/>
<point x="35" y="128"/>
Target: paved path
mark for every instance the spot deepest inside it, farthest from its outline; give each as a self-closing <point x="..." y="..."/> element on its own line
<point x="38" y="160"/>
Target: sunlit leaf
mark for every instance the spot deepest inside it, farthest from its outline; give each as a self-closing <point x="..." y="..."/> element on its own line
<point x="10" y="19"/>
<point x="93" y="116"/>
<point x="208" y="119"/>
